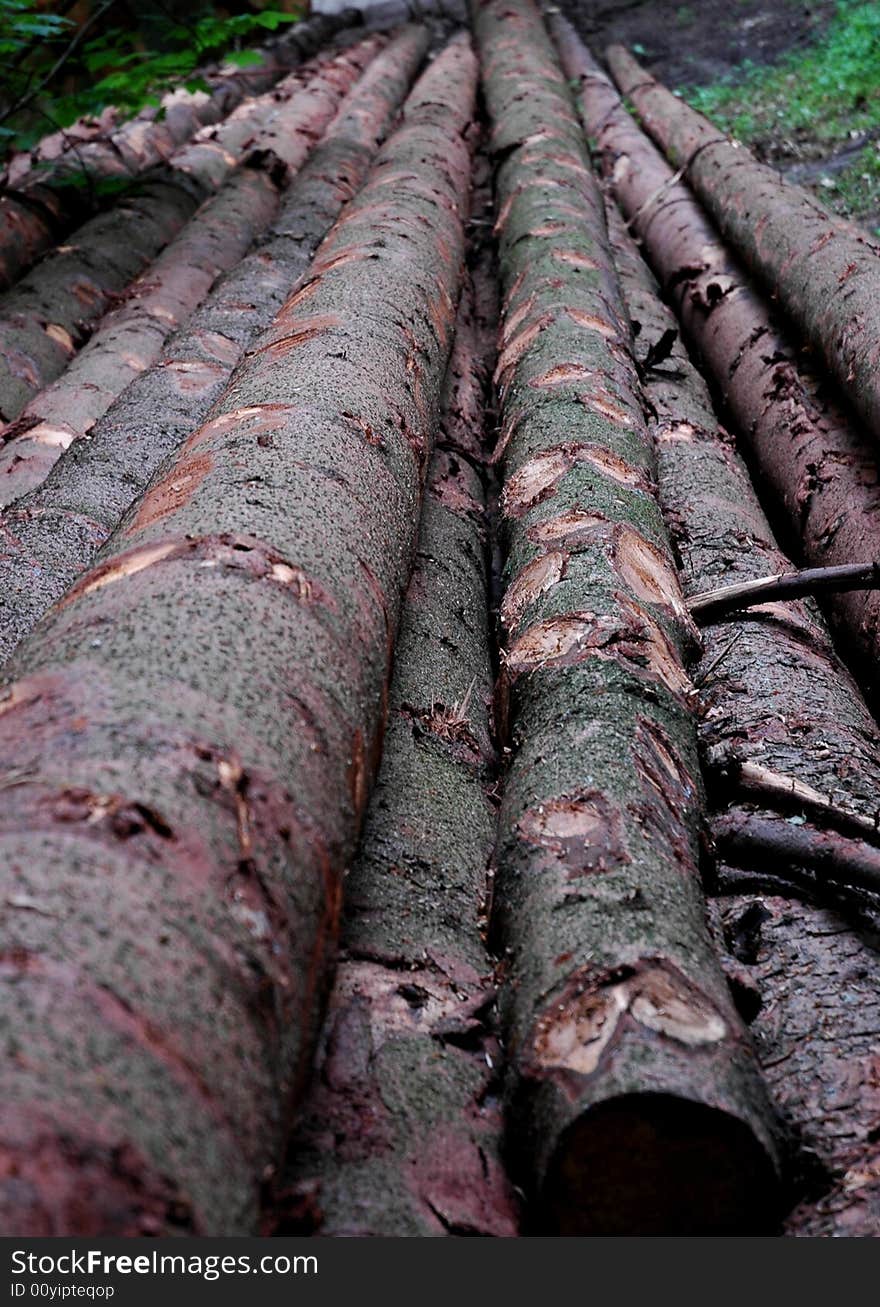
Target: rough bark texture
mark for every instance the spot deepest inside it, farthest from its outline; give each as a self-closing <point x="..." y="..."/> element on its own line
<point x="50" y="313"/>
<point x="824" y="270"/>
<point x="817" y="466"/>
<point x="814" y="989"/>
<point x="39" y="206"/>
<point x="400" y="1133"/>
<point x="635" y="1100"/>
<point x="782" y="723"/>
<point x="53" y="533"/>
<point x="129" y="340"/>
<point x="189" y="744"/>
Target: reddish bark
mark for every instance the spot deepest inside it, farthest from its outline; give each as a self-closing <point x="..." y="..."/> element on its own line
<point x="400" y="1132"/>
<point x="817" y="466"/>
<point x="824" y="270"/>
<point x="197" y="725"/>
<point x="52" y="534"/>
<point x="50" y="313"/>
<point x="129" y="340"/>
<point x="40" y="206"/>
<point x="636" y="1105"/>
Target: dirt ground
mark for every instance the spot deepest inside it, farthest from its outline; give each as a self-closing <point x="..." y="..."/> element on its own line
<point x="690" y="44"/>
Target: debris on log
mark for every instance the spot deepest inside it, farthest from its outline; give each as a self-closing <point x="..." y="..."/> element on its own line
<point x="129" y="340"/>
<point x="52" y="533"/>
<point x="189" y="742"/>
<point x="400" y="1133"/>
<point x="636" y="1103"/>
<point x="39" y="205"/>
<point x="818" y="467"/>
<point x="824" y="270"/>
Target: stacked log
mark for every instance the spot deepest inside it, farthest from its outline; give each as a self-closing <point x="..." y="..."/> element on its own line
<point x="188" y="744"/>
<point x="54" y="532"/>
<point x="635" y="1100"/>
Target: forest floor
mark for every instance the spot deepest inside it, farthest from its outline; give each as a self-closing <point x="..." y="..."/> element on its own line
<point x="797" y="82"/>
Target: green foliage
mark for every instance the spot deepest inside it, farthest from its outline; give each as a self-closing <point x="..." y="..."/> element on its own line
<point x="824" y="94"/>
<point x="112" y="67"/>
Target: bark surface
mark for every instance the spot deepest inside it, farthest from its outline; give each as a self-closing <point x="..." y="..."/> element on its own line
<point x="51" y="312"/>
<point x="189" y="743"/>
<point x="814" y="985"/>
<point x="824" y="270"/>
<point x="39" y="205"/>
<point x="635" y="1101"/>
<point x="129" y="339"/>
<point x="52" y="534"/>
<point x="818" y="468"/>
<point x="401" y="1130"/>
<point x="782" y="723"/>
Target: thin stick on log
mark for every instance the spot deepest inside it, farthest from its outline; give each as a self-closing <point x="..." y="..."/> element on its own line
<point x="40" y="205"/>
<point x="819" y="469"/>
<point x="128" y="340"/>
<point x="824" y="270"/>
<point x="753" y="839"/>
<point x="629" y="1067"/>
<point x="53" y="533"/>
<point x="714" y="604"/>
<point x="203" y="712"/>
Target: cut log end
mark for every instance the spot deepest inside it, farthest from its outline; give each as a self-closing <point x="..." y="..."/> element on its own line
<point x="652" y="1165"/>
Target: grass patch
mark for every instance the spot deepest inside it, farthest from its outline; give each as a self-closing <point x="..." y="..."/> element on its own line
<point x="821" y="97"/>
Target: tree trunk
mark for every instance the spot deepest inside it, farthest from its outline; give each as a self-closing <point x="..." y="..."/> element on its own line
<point x="53" y="533"/>
<point x="40" y="206"/>
<point x="818" y="468"/>
<point x="195" y="729"/>
<point x="129" y="340"/>
<point x="400" y="1132"/>
<point x="636" y="1103"/>
<point x="823" y="270"/>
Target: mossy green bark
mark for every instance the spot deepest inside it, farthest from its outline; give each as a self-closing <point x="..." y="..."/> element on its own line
<point x="636" y="1105"/>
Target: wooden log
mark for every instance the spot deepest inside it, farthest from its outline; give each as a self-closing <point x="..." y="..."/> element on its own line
<point x="53" y="533"/>
<point x="824" y="270"/>
<point x="195" y="729"/>
<point x="129" y="339"/>
<point x="636" y="1105"/>
<point x="817" y="466"/>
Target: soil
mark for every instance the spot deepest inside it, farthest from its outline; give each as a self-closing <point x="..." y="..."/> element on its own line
<point x="696" y="43"/>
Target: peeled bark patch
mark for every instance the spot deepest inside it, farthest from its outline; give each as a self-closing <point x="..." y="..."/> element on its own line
<point x="233" y="687"/>
<point x="53" y="533"/>
<point x="597" y="864"/>
<point x="823" y="269"/>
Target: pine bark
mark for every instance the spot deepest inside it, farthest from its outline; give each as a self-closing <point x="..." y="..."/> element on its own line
<point x="190" y="741"/>
<point x="51" y="312"/>
<point x="818" y="467"/>
<point x="40" y="205"/>
<point x="636" y="1104"/>
<point x="400" y="1133"/>
<point x="53" y="533"/>
<point x="129" y="339"/>
<point x="823" y="270"/>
